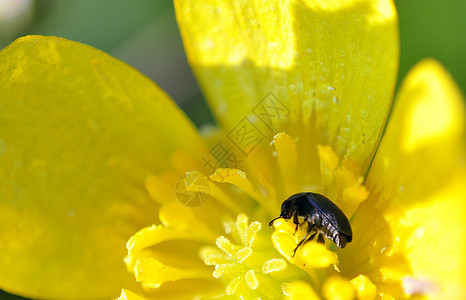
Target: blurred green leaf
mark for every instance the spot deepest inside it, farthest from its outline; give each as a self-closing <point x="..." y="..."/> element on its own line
<point x="432" y="28"/>
<point x="102" y="24"/>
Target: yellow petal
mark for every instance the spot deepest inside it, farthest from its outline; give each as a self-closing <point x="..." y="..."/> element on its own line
<point x="332" y="64"/>
<point x="80" y="132"/>
<point x="160" y="189"/>
<point x="412" y="227"/>
<point x="424" y="143"/>
<point x="435" y="235"/>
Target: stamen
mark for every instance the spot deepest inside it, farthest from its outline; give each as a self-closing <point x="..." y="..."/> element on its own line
<point x="287" y="155"/>
<point x="342" y="184"/>
<point x="239" y="179"/>
<point x="242" y="227"/>
<point x="231" y="287"/>
<point x="336" y="287"/>
<point x="274" y="265"/>
<point x="152" y="273"/>
<point x="212" y="256"/>
<point x="351" y="190"/>
<point x="245" y="267"/>
<point x="365" y="289"/>
<point x="251" y="280"/>
<point x="328" y="164"/>
<point x="316" y="255"/>
<point x="157" y="234"/>
<point x="285" y="243"/>
<point x="268" y="190"/>
<point x="238" y="253"/>
<point x="128" y="295"/>
<point x="182" y="218"/>
<point x="222" y="269"/>
<point x="299" y="290"/>
<point x="246" y="258"/>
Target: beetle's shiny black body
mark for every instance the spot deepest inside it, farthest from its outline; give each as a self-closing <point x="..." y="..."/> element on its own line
<point x="321" y="215"/>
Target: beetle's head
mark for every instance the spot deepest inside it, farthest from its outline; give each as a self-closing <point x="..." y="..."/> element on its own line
<point x="287" y="210"/>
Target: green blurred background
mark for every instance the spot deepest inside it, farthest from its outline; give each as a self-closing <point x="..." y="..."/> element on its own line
<point x="144" y="34"/>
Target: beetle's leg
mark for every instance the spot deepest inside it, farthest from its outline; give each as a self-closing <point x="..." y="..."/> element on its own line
<point x="309" y="229"/>
<point x="296" y="221"/>
<point x="320" y="239"/>
<point x="311" y="236"/>
<point x="317" y="221"/>
<point x="299" y="226"/>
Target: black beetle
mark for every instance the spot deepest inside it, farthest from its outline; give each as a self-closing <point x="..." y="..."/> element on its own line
<point x="321" y="215"/>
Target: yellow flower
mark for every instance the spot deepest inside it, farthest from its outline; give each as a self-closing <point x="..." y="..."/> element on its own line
<point x="301" y="91"/>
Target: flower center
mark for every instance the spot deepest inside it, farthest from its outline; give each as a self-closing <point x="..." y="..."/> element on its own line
<point x="250" y="264"/>
<point x="247" y="263"/>
<point x="250" y="260"/>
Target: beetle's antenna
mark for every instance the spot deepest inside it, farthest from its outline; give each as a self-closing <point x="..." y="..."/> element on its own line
<point x="271" y="222"/>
